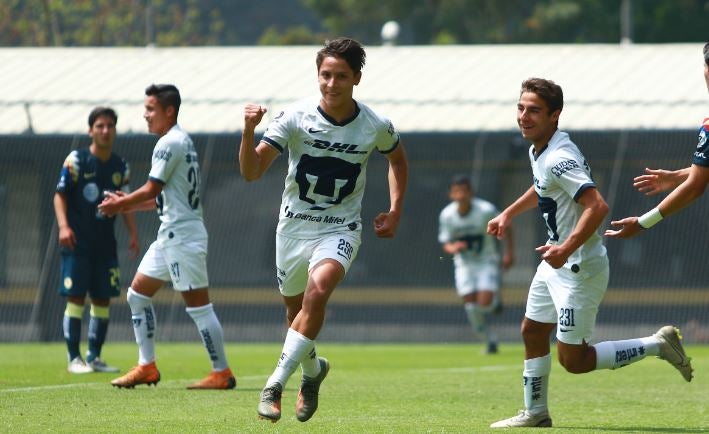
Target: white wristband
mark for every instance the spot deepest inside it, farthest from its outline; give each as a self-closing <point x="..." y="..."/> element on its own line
<point x="650" y="218"/>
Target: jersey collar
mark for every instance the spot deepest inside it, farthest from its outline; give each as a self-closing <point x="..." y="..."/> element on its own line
<point x="343" y="123"/>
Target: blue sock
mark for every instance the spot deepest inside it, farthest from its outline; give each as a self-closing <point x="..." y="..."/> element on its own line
<point x="72" y="336"/>
<point x="98" y="327"/>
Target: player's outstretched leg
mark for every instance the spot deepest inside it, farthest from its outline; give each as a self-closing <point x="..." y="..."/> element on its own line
<point x="269" y="406"/>
<point x="307" y="401"/>
<point x="525" y="419"/>
<point x="672" y="351"/>
<point x="141" y="374"/>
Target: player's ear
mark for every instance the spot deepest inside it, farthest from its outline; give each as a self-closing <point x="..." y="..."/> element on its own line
<point x="555" y="115"/>
<point x="357" y="77"/>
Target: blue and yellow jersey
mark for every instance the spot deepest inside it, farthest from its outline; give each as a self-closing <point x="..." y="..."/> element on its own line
<point x="82" y="180"/>
<point x="701" y="155"/>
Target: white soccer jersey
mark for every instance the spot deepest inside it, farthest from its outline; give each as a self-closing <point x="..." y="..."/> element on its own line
<point x="471" y="228"/>
<point x="175" y="165"/>
<point x="561" y="174"/>
<point x="327" y="164"/>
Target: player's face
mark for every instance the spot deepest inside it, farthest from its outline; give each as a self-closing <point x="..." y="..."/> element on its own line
<point x="460" y="193"/>
<point x="103" y="132"/>
<point x="336" y="80"/>
<point x="535" y="122"/>
<point x="157" y="117"/>
<point x="706" y="74"/>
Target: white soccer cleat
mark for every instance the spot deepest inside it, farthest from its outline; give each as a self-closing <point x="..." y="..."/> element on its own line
<point x="99" y="365"/>
<point x="525" y="419"/>
<point x="671" y="350"/>
<point x="78" y="366"/>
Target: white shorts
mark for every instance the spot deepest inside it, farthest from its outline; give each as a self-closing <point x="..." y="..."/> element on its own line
<point x="568" y="299"/>
<point x="295" y="258"/>
<point x="470" y="279"/>
<point x="184" y="264"/>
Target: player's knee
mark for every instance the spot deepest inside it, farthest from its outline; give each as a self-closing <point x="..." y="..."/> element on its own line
<point x="574" y="364"/>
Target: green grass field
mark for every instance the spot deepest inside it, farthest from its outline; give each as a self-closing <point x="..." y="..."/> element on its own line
<point x="370" y="389"/>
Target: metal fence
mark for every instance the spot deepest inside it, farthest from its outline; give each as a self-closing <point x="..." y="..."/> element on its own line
<point x="397" y="290"/>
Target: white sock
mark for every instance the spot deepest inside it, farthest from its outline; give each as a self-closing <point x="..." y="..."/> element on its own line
<point x="310" y="364"/>
<point x="477" y="316"/>
<point x="295" y="348"/>
<point x="212" y="334"/>
<point x="536" y="383"/>
<point x="144" y="325"/>
<point x="616" y="354"/>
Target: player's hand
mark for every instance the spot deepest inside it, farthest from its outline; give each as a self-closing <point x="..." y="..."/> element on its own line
<point x="67" y="238"/>
<point x="253" y="113"/>
<point x="654" y="181"/>
<point x="629" y="227"/>
<point x="110" y="206"/>
<point x="555" y="256"/>
<point x="133" y="248"/>
<point x="507" y="260"/>
<point x="385" y="224"/>
<point x="497" y="226"/>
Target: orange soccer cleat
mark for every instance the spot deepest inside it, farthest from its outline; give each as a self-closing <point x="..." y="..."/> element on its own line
<point x="216" y="380"/>
<point x="141" y="374"/>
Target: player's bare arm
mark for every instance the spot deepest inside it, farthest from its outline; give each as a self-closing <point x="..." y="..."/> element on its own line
<point x="499" y="225"/>
<point x="685" y="194"/>
<point x="594" y="211"/>
<point x="140" y="199"/>
<point x="656" y="181"/>
<point x="254" y="161"/>
<point x="508" y="258"/>
<point x="133" y="242"/>
<point x="386" y="224"/>
<point x="67" y="238"/>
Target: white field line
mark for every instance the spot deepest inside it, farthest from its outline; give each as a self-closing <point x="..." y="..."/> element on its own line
<point x="470" y="369"/>
<point x="106" y="383"/>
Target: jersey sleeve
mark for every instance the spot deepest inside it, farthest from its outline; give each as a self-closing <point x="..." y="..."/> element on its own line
<point x="278" y="132"/>
<point x="701" y="155"/>
<point x="571" y="172"/>
<point x="387" y="137"/>
<point x="69" y="174"/>
<point x="166" y="156"/>
<point x="444" y="229"/>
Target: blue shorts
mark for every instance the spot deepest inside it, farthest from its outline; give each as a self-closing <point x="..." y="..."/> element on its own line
<point x="81" y="275"/>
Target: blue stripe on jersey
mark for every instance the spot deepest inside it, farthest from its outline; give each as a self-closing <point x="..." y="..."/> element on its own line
<point x="273" y="143"/>
<point x="396" y="145"/>
<point x="158" y="180"/>
<point x="583" y="188"/>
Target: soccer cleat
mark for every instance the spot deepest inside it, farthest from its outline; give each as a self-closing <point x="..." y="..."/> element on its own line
<point x="491" y="348"/>
<point x="270" y="405"/>
<point x="671" y="350"/>
<point x="99" y="365"/>
<point x="141" y="374"/>
<point x="216" y="380"/>
<point x="78" y="366"/>
<point x="525" y="419"/>
<point x="307" y="401"/>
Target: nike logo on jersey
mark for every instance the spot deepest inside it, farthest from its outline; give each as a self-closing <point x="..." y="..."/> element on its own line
<point x="312" y="130"/>
<point x="564" y="330"/>
<point x="89" y="175"/>
<point x="334" y="147"/>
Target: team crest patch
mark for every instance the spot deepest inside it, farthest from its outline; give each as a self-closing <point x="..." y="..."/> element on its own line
<point x="68" y="283"/>
<point x="702" y="139"/>
<point x="116" y="178"/>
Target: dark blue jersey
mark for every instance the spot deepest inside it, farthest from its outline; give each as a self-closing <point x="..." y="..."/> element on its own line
<point x="82" y="180"/>
<point x="701" y="155"/>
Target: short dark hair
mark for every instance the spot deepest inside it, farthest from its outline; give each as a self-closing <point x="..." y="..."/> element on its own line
<point x="547" y="90"/>
<point x="706" y="53"/>
<point x="345" y="48"/>
<point x="102" y="111"/>
<point x="463" y="180"/>
<point x="166" y="94"/>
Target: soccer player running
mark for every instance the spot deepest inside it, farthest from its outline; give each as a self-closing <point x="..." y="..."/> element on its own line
<point x="87" y="239"/>
<point x="329" y="139"/>
<point x="462" y="231"/>
<point x="686" y="184"/>
<point x="180" y="252"/>
<point x="572" y="277"/>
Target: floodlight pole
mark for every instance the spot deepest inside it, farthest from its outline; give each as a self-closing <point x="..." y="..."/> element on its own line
<point x="626" y="22"/>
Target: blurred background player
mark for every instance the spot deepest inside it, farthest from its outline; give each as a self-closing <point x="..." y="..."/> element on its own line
<point x="686" y="184"/>
<point x="87" y="239"/>
<point x="572" y="278"/>
<point x="180" y="252"/>
<point x="462" y="231"/>
<point x="329" y="139"/>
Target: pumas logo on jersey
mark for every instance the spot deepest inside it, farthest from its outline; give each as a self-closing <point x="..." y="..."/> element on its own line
<point x="702" y="139"/>
<point x="312" y="130"/>
<point x="334" y="147"/>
